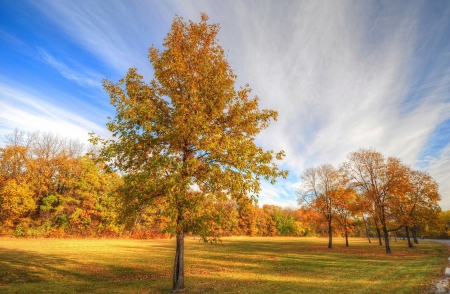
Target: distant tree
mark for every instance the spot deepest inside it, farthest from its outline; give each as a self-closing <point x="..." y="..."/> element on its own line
<point x="438" y="226"/>
<point x="16" y="203"/>
<point x="48" y="187"/>
<point x="383" y="182"/>
<point x="419" y="202"/>
<point x="284" y="222"/>
<point x="265" y="222"/>
<point x="362" y="207"/>
<point x="247" y="217"/>
<point x="188" y="130"/>
<point x="319" y="191"/>
<point x="310" y="220"/>
<point x="346" y="208"/>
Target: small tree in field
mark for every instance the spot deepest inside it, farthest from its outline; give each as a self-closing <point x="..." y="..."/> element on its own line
<point x="346" y="209"/>
<point x="186" y="139"/>
<point x="319" y="191"/>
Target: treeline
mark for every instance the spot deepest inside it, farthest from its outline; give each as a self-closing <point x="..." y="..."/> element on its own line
<point x="244" y="218"/>
<point x="368" y="184"/>
<point x="438" y="227"/>
<point x="51" y="186"/>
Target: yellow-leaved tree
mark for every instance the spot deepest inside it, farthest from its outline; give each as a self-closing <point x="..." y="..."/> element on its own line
<point x="186" y="139"/>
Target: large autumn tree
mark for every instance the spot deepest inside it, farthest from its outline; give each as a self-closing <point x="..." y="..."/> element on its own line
<point x="188" y="137"/>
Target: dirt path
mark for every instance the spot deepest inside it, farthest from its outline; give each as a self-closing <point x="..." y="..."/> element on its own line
<point x="445" y="242"/>
<point x="441" y="286"/>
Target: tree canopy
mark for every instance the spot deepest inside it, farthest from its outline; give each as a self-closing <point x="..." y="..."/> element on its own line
<point x="188" y="136"/>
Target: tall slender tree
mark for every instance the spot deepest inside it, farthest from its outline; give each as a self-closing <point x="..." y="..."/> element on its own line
<point x="319" y="191"/>
<point x="188" y="130"/>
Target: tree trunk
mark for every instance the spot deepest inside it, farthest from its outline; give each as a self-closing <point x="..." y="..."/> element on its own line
<point x="414" y="233"/>
<point x="379" y="236"/>
<point x="367" y="229"/>
<point x="330" y="235"/>
<point x="386" y="240"/>
<point x="395" y="236"/>
<point x="346" y="238"/>
<point x="410" y="245"/>
<point x="178" y="267"/>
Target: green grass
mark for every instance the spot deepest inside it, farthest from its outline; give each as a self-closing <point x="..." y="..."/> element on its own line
<point x="238" y="265"/>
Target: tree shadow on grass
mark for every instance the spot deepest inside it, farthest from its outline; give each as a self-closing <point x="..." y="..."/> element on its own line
<point x="245" y="267"/>
<point x="32" y="272"/>
<point x="18" y="266"/>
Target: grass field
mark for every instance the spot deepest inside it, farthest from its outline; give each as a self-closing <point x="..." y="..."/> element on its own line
<point x="238" y="265"/>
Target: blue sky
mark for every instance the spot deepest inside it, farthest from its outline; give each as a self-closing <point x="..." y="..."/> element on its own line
<point x="342" y="75"/>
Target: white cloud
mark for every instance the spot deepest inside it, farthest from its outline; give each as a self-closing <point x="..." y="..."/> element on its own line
<point x="439" y="169"/>
<point x="277" y="195"/>
<point x="118" y="33"/>
<point x="334" y="92"/>
<point x="338" y="72"/>
<point x="30" y="111"/>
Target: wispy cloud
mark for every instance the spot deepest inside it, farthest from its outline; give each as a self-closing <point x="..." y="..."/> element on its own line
<point x="93" y="80"/>
<point x="31" y="111"/>
<point x="334" y="92"/>
<point x="118" y="33"/>
<point x="342" y="74"/>
<point x="439" y="168"/>
<point x="12" y="40"/>
<point x="280" y="195"/>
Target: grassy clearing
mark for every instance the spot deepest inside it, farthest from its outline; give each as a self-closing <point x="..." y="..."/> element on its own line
<point x="238" y="265"/>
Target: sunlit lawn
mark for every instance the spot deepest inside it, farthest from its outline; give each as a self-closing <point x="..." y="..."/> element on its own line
<point x="238" y="265"/>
